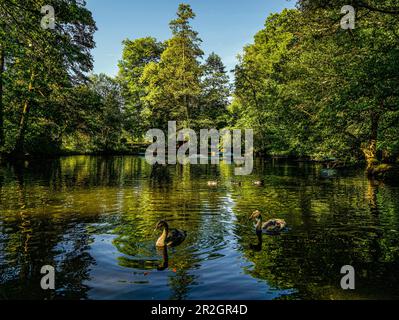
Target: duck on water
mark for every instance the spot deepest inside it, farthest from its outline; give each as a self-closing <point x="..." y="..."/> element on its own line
<point x="169" y="237"/>
<point x="271" y="227"/>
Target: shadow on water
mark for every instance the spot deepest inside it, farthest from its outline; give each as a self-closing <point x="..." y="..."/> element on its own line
<point x="31" y="239"/>
<point x="92" y="218"/>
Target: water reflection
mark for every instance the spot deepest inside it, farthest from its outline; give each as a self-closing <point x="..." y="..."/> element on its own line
<point x="93" y="219"/>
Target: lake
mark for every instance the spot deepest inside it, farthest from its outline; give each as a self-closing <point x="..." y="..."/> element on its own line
<point x="93" y="219"/>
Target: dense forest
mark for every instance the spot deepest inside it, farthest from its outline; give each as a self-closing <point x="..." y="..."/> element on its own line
<point x="309" y="88"/>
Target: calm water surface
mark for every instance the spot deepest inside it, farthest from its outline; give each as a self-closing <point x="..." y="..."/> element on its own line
<point x="93" y="219"/>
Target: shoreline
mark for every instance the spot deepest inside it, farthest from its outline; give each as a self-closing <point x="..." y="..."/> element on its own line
<point x="332" y="163"/>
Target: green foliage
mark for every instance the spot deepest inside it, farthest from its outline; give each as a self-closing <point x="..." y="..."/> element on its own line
<point x="257" y="96"/>
<point x="49" y="104"/>
<point x="173" y="85"/>
<point x="137" y="54"/>
<point x="386" y="6"/>
<point x="307" y="87"/>
<point x="215" y="94"/>
<point x="41" y="63"/>
<point x="166" y="82"/>
<point x="310" y="88"/>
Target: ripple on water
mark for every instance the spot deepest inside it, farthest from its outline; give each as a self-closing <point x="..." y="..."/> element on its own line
<point x="94" y="217"/>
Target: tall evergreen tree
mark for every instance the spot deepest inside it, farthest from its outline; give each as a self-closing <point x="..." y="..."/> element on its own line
<point x="215" y="94"/>
<point x="174" y="84"/>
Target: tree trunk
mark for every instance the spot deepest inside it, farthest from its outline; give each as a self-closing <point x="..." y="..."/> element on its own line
<point x="370" y="150"/>
<point x="2" y="65"/>
<point x="19" y="145"/>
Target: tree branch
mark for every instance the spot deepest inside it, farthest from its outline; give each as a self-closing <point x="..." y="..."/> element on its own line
<point x="361" y="4"/>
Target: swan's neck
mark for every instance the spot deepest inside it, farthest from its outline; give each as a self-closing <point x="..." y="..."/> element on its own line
<point x="259" y="223"/>
<point x="162" y="239"/>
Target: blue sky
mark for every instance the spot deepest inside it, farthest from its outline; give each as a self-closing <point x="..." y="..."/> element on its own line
<point x="225" y="26"/>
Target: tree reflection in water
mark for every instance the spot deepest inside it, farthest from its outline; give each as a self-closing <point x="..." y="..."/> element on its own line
<point x="93" y="219"/>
